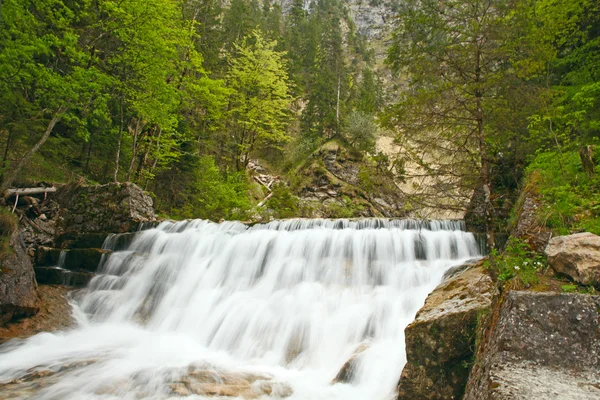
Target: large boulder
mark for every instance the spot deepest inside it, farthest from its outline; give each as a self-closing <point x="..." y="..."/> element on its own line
<point x="539" y="346"/>
<point x="114" y="207"/>
<point x="576" y="256"/>
<point x="18" y="288"/>
<point x="440" y="342"/>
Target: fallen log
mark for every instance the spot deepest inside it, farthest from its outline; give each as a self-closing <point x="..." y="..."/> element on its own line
<point x="30" y="191"/>
<point x="264" y="201"/>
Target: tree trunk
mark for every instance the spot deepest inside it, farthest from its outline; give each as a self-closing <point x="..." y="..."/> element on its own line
<point x="87" y="158"/>
<point x="11" y="176"/>
<point x="144" y="157"/>
<point x="156" y="158"/>
<point x="6" y="151"/>
<point x="337" y="107"/>
<point x="586" y="153"/>
<point x="485" y="165"/>
<point x="118" y="152"/>
<point x="134" y="148"/>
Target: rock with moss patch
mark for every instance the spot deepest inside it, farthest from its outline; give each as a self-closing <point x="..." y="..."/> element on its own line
<point x="440" y="341"/>
<point x="114" y="207"/>
<point x="18" y="288"/>
<point x="539" y="346"/>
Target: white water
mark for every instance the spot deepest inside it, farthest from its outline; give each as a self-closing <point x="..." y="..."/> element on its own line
<point x="291" y="299"/>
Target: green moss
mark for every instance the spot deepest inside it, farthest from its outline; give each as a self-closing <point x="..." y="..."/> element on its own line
<point x="8" y="225"/>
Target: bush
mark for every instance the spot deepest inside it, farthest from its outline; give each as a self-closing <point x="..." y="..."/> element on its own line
<point x="360" y="131"/>
<point x="213" y="195"/>
<point x="282" y="202"/>
<point x="517" y="261"/>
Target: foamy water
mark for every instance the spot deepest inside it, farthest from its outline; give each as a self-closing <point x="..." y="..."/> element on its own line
<point x="290" y="300"/>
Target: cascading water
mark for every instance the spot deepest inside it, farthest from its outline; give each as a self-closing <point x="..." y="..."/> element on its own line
<point x="282" y="306"/>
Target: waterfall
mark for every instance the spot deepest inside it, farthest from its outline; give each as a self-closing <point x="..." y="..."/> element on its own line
<point x="285" y="303"/>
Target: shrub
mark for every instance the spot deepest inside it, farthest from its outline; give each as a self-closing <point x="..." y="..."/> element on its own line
<point x="517" y="261"/>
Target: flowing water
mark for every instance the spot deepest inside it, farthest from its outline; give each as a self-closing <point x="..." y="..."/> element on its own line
<point x="269" y="311"/>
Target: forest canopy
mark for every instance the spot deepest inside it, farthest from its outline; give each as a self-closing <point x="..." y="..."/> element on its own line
<point x="180" y="96"/>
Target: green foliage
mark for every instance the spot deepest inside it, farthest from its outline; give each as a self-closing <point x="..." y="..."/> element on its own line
<point x="518" y="261"/>
<point x="213" y="195"/>
<point x="360" y="131"/>
<point x="570" y="198"/>
<point x="283" y="202"/>
<point x="346" y="208"/>
<point x="260" y="100"/>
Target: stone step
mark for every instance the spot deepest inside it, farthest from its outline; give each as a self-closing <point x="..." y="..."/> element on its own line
<point x="81" y="240"/>
<point x="73" y="259"/>
<point x="61" y="276"/>
<point x="119" y="241"/>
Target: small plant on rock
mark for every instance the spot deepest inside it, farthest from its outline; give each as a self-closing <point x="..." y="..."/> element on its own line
<point x="517" y="260"/>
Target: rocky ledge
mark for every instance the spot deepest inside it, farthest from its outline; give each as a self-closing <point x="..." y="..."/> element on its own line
<point x="441" y="341"/>
<point x="18" y="294"/>
<point x="62" y="234"/>
<point x="540" y="346"/>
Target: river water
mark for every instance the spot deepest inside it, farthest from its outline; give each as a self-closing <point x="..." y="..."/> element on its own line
<point x="200" y="310"/>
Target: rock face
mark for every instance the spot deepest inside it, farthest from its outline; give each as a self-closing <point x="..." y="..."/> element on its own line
<point x="440" y="342"/>
<point x="577" y="256"/>
<point x="18" y="295"/>
<point x="114" y="207"/>
<point x="331" y="179"/>
<point x="540" y="346"/>
<point x="55" y="314"/>
<point x="527" y="226"/>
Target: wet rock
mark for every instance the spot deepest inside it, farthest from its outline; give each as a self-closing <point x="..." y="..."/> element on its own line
<point x="18" y="288"/>
<point x="120" y="241"/>
<point x="114" y="207"/>
<point x="539" y="346"/>
<point x="55" y="314"/>
<point x="346" y="373"/>
<point x="60" y="276"/>
<point x="440" y="342"/>
<point x="77" y="240"/>
<point x="47" y="256"/>
<point x="73" y="259"/>
<point x="84" y="259"/>
<point x="209" y="382"/>
<point x="576" y="256"/>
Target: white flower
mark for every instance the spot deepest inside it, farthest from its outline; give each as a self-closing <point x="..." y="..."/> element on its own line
<point x="517" y="268"/>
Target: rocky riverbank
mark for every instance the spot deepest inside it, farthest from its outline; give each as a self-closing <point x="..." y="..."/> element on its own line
<point x="58" y="240"/>
<point x="478" y="337"/>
